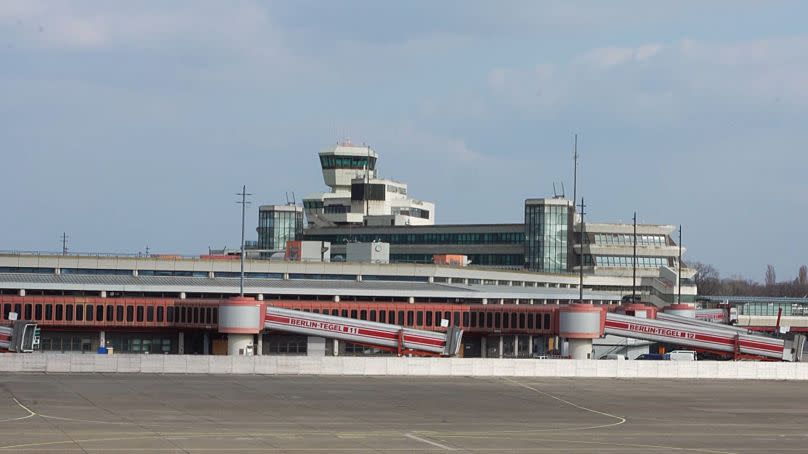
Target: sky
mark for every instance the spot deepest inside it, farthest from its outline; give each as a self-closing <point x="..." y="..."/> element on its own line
<point x="133" y="124"/>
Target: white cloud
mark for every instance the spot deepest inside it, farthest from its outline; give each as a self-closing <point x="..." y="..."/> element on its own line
<point x="612" y="56"/>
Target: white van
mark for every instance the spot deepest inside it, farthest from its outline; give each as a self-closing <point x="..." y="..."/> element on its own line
<point x="682" y="355"/>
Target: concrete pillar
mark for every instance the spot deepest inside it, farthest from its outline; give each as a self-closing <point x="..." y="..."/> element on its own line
<point x="211" y="275"/>
<point x="411" y="300"/>
<point x="260" y="297"/>
<point x="315" y="346"/>
<point x="485" y="300"/>
<point x="483" y="347"/>
<point x="285" y="276"/>
<point x="336" y="347"/>
<point x="501" y="345"/>
<point x="182" y="295"/>
<point x="516" y="345"/>
<point x="22" y="292"/>
<point x="259" y="344"/>
<point x="134" y="273"/>
<point x="103" y="293"/>
<point x="516" y="301"/>
<point x="502" y="301"/>
<point x="580" y="348"/>
<point x="237" y="344"/>
<point x="431" y="279"/>
<point x="358" y="278"/>
<point x="181" y="343"/>
<point x="58" y="271"/>
<point x="205" y="343"/>
<point x="529" y="346"/>
<point x="102" y="339"/>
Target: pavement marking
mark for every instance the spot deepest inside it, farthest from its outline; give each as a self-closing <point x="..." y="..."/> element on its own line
<point x="620" y="419"/>
<point x="429" y="442"/>
<point x="30" y="413"/>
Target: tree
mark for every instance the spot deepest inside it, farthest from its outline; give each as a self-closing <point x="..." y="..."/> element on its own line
<point x="802" y="277"/>
<point x="771" y="277"/>
<point x="707" y="279"/>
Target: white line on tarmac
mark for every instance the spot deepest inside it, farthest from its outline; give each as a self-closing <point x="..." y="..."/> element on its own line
<point x="620" y="420"/>
<point x="430" y="442"/>
<point x="30" y="413"/>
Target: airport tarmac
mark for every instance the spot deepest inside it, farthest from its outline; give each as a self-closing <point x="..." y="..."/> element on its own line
<point x="299" y="414"/>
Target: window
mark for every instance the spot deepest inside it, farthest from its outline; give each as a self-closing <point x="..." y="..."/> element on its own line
<point x="353" y="313"/>
<point x="110" y="313"/>
<point x="345" y="313"/>
<point x="59" y="312"/>
<point x="209" y="312"/>
<point x="498" y="321"/>
<point x="159" y="314"/>
<point x="489" y="320"/>
<point x="383" y="316"/>
<point x="38" y="312"/>
<point x="79" y="312"/>
<point x="466" y="317"/>
<point x="6" y="311"/>
<point x="522" y="320"/>
<point x="546" y="321"/>
<point x="473" y="322"/>
<point x="183" y="315"/>
<point x="392" y="319"/>
<point x="196" y="315"/>
<point x="401" y="318"/>
<point x="409" y="318"/>
<point x="130" y="313"/>
<point x="505" y="321"/>
<point x="89" y="312"/>
<point x="514" y="316"/>
<point x="68" y="312"/>
<point x="150" y="314"/>
<point x="28" y="312"/>
<point x="140" y="313"/>
<point x="419" y="318"/>
<point x="530" y="321"/>
<point x="456" y="319"/>
<point x="49" y="312"/>
<point x="215" y="315"/>
<point x="429" y="318"/>
<point x="170" y="314"/>
<point x="119" y="313"/>
<point x="363" y="314"/>
<point x="448" y="317"/>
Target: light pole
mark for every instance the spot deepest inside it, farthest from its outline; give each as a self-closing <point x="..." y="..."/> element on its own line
<point x="243" y="204"/>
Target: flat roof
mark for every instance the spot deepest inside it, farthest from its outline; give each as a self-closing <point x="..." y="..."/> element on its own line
<point x="320" y="287"/>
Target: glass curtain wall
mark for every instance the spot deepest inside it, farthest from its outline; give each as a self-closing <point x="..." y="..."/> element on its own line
<point x="547" y="234"/>
<point x="276" y="227"/>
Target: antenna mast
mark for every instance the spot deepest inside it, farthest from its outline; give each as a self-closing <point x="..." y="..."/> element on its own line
<point x="64" y="243"/>
<point x="634" y="264"/>
<point x="679" y="272"/>
<point x="243" y="204"/>
<point x="575" y="171"/>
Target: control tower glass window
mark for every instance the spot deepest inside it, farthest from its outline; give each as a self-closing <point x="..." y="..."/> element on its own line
<point x="546" y="236"/>
<point x="347" y="162"/>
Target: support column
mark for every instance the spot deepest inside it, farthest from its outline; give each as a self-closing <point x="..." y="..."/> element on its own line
<point x="501" y="345"/>
<point x="580" y="348"/>
<point x="238" y="344"/>
<point x="103" y="293"/>
<point x="259" y="344"/>
<point x="181" y="343"/>
<point x="483" y="347"/>
<point x="205" y="343"/>
<point x="529" y="346"/>
<point x="336" y="347"/>
<point x="22" y="292"/>
<point x="515" y="345"/>
<point x="102" y="338"/>
<point x="315" y="346"/>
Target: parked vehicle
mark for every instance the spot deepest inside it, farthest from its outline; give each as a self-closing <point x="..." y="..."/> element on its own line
<point x="681" y="355"/>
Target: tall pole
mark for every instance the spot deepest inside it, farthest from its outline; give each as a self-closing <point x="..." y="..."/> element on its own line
<point x="367" y="187"/>
<point x="679" y="272"/>
<point x="64" y="243"/>
<point x="634" y="264"/>
<point x="575" y="170"/>
<point x="244" y="204"/>
<point x="581" y="264"/>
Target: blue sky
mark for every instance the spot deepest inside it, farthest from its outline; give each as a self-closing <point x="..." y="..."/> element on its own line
<point x="134" y="124"/>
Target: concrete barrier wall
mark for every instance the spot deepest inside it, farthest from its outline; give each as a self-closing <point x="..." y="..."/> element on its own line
<point x="474" y="367"/>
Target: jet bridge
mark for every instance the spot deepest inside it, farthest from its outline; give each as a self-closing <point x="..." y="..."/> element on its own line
<point x="391" y="337"/>
<point x="705" y="336"/>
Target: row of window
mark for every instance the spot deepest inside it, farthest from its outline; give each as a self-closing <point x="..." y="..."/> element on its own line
<point x="112" y="313"/>
<point x="432" y="319"/>
<point x="347" y="162"/>
<point x="609" y="239"/>
<point x="424" y="238"/>
<point x="617" y="261"/>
